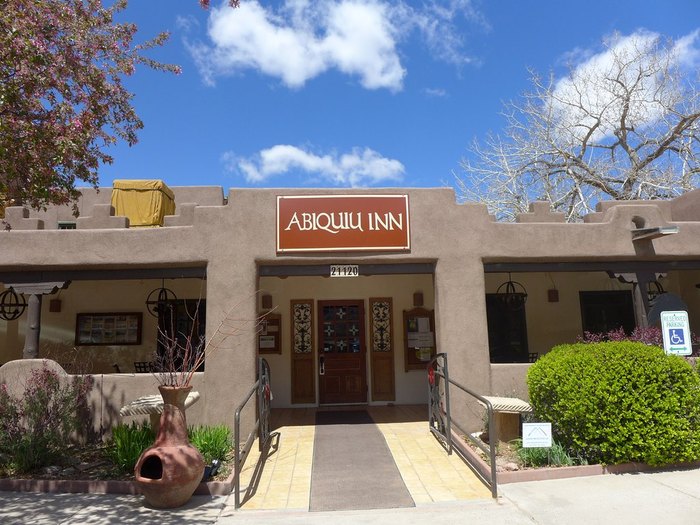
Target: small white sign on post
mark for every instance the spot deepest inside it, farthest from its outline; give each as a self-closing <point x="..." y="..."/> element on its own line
<point x="537" y="435"/>
<point x="676" y="333"/>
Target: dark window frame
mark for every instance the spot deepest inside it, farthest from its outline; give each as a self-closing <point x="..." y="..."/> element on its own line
<point x="507" y="331"/>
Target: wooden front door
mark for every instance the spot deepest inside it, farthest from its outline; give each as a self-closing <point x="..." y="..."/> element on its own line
<point x="342" y="352"/>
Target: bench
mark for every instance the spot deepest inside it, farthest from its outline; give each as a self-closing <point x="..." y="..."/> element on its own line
<point x="507" y="412"/>
<point x="153" y="407"/>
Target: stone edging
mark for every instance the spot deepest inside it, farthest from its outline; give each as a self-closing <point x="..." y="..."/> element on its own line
<point x="541" y="474"/>
<point x="70" y="486"/>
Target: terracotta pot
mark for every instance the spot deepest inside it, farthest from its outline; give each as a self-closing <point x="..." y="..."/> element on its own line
<point x="168" y="473"/>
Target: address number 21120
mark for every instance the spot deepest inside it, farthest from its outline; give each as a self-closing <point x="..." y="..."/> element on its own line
<point x="345" y="270"/>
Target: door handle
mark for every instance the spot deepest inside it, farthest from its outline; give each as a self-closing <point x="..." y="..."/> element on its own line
<point x="321" y="366"/>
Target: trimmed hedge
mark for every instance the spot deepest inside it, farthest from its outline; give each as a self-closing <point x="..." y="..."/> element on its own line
<point x="616" y="402"/>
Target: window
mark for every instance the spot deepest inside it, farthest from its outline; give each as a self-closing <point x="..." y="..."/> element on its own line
<point x="179" y="321"/>
<point x="507" y="331"/>
<point x="608" y="310"/>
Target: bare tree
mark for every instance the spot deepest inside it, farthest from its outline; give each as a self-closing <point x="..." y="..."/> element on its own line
<point x="623" y="124"/>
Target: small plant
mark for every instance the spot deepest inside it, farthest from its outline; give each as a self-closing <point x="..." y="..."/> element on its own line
<point x="213" y="442"/>
<point x="127" y="443"/>
<point x="538" y="457"/>
<point x="35" y="429"/>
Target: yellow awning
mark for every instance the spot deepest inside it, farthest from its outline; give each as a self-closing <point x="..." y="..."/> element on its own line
<point x="144" y="202"/>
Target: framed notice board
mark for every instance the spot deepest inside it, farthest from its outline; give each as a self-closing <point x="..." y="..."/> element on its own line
<point x="269" y="334"/>
<point x="108" y="329"/>
<point x="418" y="338"/>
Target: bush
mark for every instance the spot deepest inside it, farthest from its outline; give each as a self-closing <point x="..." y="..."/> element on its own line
<point x="128" y="443"/>
<point x="35" y="429"/>
<point x="212" y="442"/>
<point x="615" y="402"/>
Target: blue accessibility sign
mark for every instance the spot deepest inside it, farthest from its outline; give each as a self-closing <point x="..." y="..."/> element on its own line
<point x="676" y="333"/>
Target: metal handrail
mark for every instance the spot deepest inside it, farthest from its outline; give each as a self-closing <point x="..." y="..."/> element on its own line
<point x="490" y="450"/>
<point x="241" y="454"/>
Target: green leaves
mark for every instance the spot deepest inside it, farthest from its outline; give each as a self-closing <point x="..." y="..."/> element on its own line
<point x="616" y="402"/>
<point x="62" y="100"/>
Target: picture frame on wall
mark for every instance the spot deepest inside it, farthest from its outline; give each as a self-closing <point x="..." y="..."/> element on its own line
<point x="113" y="328"/>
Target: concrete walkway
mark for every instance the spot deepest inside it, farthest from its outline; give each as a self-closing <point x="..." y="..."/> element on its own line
<point x="443" y="488"/>
<point x="429" y="473"/>
<point x="640" y="499"/>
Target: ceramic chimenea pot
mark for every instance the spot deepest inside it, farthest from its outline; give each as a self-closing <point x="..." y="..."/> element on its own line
<point x="168" y="473"/>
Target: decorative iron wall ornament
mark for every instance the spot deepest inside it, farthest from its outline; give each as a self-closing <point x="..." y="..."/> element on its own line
<point x="159" y="298"/>
<point x="12" y="306"/>
<point x="302" y="327"/>
<point x="512" y="294"/>
<point x="654" y="289"/>
<point x="380" y="322"/>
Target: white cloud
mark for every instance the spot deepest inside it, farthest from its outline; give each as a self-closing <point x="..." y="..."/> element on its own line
<point x="591" y="82"/>
<point x="302" y="39"/>
<point x="359" y="167"/>
<point x="437" y="24"/>
<point x="186" y="23"/>
<point x="435" y="92"/>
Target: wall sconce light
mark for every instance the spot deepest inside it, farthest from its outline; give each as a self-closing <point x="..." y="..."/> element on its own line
<point x="266" y="301"/>
<point x="418" y="299"/>
<point x="159" y="299"/>
<point x="512" y="294"/>
<point x="12" y="306"/>
<point x="654" y="289"/>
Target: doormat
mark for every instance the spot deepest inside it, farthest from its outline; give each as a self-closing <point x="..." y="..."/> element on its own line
<point x="353" y="468"/>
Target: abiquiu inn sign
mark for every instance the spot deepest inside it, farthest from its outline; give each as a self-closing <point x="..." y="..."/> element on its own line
<point x="316" y="223"/>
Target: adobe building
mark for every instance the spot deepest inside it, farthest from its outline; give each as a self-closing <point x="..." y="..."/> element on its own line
<point x="346" y="293"/>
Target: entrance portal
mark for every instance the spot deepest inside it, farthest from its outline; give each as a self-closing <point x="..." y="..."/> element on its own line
<point x="342" y="353"/>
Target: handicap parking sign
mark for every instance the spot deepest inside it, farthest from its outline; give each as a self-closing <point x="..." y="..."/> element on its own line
<point x="676" y="333"/>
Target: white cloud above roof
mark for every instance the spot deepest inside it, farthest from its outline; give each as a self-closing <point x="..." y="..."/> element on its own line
<point x="357" y="168"/>
<point x="302" y="39"/>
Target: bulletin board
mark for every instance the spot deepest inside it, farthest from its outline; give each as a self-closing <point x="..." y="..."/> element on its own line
<point x="269" y="334"/>
<point x="419" y="338"/>
<point x="108" y="329"/>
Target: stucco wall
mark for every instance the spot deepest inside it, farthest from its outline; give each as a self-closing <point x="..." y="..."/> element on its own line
<point x="58" y="328"/>
<point x="232" y="240"/>
<point x="108" y="395"/>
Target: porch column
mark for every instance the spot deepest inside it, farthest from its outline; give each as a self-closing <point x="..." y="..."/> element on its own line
<point x="31" y="338"/>
<point x="35" y="292"/>
<point x="640" y="293"/>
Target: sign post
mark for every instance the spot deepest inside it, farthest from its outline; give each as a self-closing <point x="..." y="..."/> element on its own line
<point x="676" y="333"/>
<point x="537" y="435"/>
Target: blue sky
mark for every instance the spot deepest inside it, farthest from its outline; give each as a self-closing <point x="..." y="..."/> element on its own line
<point x="352" y="93"/>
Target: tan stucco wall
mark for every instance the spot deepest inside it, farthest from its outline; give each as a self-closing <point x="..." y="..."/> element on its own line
<point x="108" y="395"/>
<point x="58" y="328"/>
<point x="232" y="240"/>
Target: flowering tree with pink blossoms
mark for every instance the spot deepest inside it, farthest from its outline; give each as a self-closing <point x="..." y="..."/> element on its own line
<point x="62" y="101"/>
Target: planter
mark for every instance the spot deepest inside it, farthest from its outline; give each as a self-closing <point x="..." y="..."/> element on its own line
<point x="168" y="473"/>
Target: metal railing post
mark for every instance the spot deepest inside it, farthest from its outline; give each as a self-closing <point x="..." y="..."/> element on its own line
<point x="442" y="371"/>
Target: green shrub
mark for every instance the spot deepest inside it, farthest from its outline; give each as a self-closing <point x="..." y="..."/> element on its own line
<point x="615" y="402"/>
<point x="128" y="443"/>
<point x="35" y="428"/>
<point x="213" y="442"/>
